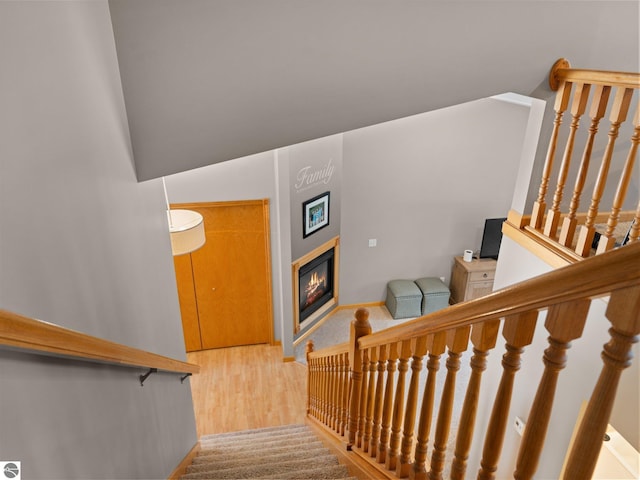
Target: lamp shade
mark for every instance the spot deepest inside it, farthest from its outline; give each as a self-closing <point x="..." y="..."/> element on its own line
<point x="186" y="228"/>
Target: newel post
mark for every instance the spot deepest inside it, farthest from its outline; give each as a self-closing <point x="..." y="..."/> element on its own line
<point x="360" y="327"/>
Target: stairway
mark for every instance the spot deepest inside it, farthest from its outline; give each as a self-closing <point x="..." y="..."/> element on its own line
<point x="285" y="452"/>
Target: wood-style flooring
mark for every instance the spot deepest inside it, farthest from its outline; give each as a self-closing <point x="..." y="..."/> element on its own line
<point x="246" y="387"/>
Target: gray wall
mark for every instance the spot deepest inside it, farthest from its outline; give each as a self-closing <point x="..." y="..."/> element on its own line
<point x="422" y="187"/>
<point x="410" y="183"/>
<point x="85" y="246"/>
<point x="209" y="81"/>
<point x="315" y="168"/>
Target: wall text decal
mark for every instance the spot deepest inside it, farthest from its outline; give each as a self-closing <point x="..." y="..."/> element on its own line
<point x="307" y="178"/>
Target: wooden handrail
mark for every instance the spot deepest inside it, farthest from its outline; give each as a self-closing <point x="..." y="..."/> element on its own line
<point x="385" y="427"/>
<point x="562" y="71"/>
<point x="598" y="104"/>
<point x="332" y="350"/>
<point x="593" y="277"/>
<point x="29" y="334"/>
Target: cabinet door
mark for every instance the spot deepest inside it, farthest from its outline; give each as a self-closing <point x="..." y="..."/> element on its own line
<point x="478" y="289"/>
<point x="231" y="275"/>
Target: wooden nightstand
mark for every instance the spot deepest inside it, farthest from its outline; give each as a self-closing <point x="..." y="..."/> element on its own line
<point x="472" y="279"/>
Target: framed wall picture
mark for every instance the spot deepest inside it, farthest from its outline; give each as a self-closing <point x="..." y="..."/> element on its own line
<point x="315" y="214"/>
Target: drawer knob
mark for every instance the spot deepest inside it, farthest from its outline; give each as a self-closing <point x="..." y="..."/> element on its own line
<point x="484" y="275"/>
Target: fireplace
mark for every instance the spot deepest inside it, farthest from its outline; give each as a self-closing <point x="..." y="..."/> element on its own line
<point x="315" y="283"/>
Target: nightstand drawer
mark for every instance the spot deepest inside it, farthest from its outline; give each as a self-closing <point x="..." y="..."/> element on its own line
<point x="479" y="276"/>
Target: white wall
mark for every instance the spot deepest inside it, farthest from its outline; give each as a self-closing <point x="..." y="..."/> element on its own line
<point x="85" y="246"/>
<point x="575" y="382"/>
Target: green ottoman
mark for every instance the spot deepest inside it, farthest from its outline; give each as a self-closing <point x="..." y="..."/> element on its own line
<point x="435" y="294"/>
<point x="403" y="298"/>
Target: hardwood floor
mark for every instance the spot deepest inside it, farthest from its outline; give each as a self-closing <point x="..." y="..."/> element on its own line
<point x="246" y="387"/>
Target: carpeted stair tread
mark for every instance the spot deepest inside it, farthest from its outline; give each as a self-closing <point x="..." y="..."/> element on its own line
<point x="290" y="452"/>
<point x="334" y="472"/>
<point x="263" y="466"/>
<point x="257" y="432"/>
<point x="256" y="459"/>
<point x="218" y="455"/>
<point x="263" y="444"/>
<point x="302" y="436"/>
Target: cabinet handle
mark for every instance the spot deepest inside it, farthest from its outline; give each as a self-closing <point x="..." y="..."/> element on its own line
<point x="484" y="275"/>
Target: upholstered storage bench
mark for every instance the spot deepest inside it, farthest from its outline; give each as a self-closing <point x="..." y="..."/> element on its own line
<point x="404" y="299"/>
<point x="435" y="294"/>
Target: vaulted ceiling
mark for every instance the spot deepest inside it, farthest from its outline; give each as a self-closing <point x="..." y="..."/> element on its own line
<point x="207" y="81"/>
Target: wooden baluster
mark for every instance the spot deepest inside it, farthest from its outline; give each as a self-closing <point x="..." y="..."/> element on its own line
<point x="359" y="327"/>
<point x="607" y="241"/>
<point x="419" y="351"/>
<point x="539" y="206"/>
<point x="518" y="332"/>
<point x="438" y="343"/>
<point x="457" y="342"/>
<point x="483" y="337"/>
<point x="340" y="380"/>
<point x="391" y="462"/>
<point x="619" y="110"/>
<point x="578" y="107"/>
<point x="373" y="353"/>
<point x="339" y="391"/>
<point x="377" y="411"/>
<point x="363" y="407"/>
<point x="598" y="109"/>
<point x="310" y="376"/>
<point x="346" y="378"/>
<point x="564" y="323"/>
<point x="318" y="384"/>
<point x="315" y="405"/>
<point x="623" y="312"/>
<point x="326" y="394"/>
<point x="331" y="403"/>
<point x="387" y="408"/>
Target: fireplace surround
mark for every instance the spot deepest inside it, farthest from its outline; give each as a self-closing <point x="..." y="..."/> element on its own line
<point x="315" y="283"/>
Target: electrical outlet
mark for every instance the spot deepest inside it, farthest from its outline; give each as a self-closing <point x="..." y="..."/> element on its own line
<point x="519" y="425"/>
<point x="373" y="242"/>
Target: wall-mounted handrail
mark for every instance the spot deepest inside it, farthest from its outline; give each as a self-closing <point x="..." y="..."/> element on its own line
<point x="29" y="334"/>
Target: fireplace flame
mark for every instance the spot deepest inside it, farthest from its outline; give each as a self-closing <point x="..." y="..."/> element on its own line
<point x="315" y="287"/>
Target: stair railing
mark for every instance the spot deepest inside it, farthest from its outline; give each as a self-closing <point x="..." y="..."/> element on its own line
<point x="567" y="229"/>
<point x="32" y="335"/>
<point x="383" y="400"/>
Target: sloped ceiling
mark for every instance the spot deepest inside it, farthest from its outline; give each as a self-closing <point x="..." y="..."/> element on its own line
<point x="207" y="81"/>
